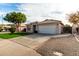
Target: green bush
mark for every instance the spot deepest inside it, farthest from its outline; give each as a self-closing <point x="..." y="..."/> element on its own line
<point x="12" y="29"/>
<point x="1" y="29"/>
<point x="67" y="29"/>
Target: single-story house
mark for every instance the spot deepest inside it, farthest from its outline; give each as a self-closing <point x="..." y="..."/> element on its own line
<point x="47" y="26"/>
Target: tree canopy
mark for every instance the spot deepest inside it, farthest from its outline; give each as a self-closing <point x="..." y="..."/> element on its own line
<point x="15" y="17"/>
<point x="74" y="18"/>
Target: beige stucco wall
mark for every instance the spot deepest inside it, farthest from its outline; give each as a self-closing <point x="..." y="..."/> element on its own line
<point x="60" y="28"/>
<point x="31" y="28"/>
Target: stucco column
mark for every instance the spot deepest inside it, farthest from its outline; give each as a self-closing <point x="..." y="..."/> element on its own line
<point x="74" y="31"/>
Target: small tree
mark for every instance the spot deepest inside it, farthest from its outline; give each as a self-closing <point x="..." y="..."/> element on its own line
<point x="74" y="19"/>
<point x="67" y="29"/>
<point x="16" y="18"/>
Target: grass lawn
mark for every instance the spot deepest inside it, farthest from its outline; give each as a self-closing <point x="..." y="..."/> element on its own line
<point x="8" y="35"/>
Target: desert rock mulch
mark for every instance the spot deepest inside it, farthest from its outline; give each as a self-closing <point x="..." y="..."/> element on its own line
<point x="66" y="46"/>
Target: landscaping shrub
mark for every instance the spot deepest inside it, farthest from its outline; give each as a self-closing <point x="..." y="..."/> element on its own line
<point x="67" y="29"/>
<point x="12" y="29"/>
<point x="1" y="29"/>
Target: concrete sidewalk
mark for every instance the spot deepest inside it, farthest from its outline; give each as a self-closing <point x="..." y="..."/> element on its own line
<point x="9" y="48"/>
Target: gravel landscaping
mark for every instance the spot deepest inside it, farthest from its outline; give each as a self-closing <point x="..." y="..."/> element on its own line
<point x="66" y="46"/>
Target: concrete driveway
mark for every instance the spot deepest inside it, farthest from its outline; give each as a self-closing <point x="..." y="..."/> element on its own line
<point x="21" y="46"/>
<point x="35" y="40"/>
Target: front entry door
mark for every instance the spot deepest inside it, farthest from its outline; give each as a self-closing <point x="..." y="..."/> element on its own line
<point x="34" y="29"/>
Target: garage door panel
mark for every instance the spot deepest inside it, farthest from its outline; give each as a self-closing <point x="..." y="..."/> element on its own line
<point x="47" y="29"/>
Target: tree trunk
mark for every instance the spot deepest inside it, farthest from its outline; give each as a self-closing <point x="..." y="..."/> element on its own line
<point x="18" y="27"/>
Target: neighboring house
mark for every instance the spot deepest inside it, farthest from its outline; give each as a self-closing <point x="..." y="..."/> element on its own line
<point x="48" y="26"/>
<point x="22" y="26"/>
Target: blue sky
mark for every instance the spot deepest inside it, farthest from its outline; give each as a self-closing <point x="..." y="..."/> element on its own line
<point x="6" y="8"/>
<point x="41" y="11"/>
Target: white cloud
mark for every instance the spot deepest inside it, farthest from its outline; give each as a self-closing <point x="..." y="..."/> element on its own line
<point x="39" y="11"/>
<point x="58" y="9"/>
